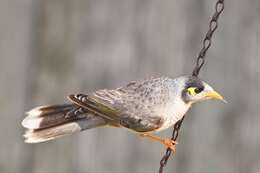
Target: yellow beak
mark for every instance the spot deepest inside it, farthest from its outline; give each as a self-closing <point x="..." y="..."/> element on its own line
<point x="215" y="95"/>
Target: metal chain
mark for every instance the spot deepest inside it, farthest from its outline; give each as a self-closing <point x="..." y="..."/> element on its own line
<point x="175" y="134"/>
<point x="213" y="25"/>
<point x="219" y="7"/>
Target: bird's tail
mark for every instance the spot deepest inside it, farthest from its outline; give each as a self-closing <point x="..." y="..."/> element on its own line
<point x="49" y="122"/>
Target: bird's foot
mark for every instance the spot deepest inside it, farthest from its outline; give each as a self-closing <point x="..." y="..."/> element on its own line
<point x="169" y="143"/>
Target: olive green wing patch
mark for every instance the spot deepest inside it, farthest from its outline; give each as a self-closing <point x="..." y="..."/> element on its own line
<point x="92" y="105"/>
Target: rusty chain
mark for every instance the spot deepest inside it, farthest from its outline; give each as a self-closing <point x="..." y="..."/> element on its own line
<point x="219" y="7"/>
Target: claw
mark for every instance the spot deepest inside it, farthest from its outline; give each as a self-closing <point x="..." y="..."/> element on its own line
<point x="170" y="144"/>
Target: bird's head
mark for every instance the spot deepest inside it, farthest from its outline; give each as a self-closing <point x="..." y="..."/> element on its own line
<point x="195" y="90"/>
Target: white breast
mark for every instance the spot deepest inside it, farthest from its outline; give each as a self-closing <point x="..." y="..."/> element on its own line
<point x="173" y="112"/>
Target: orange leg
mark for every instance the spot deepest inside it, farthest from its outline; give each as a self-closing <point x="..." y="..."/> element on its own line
<point x="167" y="141"/>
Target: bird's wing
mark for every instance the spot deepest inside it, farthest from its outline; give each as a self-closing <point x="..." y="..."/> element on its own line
<point x="131" y="106"/>
<point x="98" y="108"/>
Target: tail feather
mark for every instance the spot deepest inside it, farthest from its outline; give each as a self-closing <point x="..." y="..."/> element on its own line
<point x="41" y="111"/>
<point x="34" y="136"/>
<point x="49" y="122"/>
<point x="48" y="116"/>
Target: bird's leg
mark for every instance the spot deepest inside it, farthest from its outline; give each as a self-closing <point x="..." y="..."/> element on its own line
<point x="166" y="141"/>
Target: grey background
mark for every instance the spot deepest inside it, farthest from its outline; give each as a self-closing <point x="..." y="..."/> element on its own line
<point x="52" y="48"/>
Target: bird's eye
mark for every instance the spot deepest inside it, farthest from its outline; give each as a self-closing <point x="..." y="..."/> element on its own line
<point x="198" y="90"/>
<point x="194" y="90"/>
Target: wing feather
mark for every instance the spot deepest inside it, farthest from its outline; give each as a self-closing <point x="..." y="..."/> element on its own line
<point x="131" y="106"/>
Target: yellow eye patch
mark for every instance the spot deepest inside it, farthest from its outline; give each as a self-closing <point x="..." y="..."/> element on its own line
<point x="192" y="91"/>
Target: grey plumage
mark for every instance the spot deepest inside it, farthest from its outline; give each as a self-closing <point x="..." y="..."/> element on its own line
<point x="139" y="104"/>
<point x="142" y="106"/>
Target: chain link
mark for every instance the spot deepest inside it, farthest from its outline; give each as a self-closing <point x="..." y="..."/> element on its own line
<point x="168" y="152"/>
<point x="213" y="25"/>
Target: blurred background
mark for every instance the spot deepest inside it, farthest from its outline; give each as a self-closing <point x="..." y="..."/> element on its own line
<point x="52" y="48"/>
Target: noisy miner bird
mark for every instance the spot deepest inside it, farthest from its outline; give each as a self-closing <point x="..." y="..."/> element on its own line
<point x="143" y="107"/>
